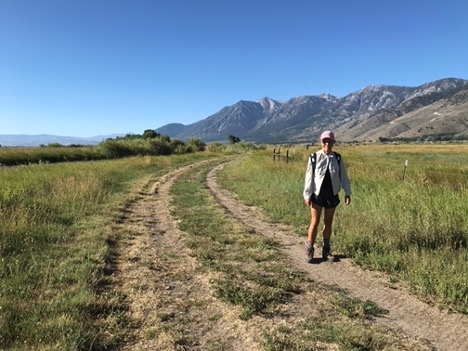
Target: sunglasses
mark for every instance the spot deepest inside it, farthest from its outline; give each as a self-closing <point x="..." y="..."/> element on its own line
<point x="327" y="141"/>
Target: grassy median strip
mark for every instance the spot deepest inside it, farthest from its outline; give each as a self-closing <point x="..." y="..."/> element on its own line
<point x="251" y="275"/>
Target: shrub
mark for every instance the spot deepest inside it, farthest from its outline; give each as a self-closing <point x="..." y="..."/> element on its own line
<point x="115" y="149"/>
<point x="197" y="144"/>
<point x="216" y="147"/>
<point x="158" y="146"/>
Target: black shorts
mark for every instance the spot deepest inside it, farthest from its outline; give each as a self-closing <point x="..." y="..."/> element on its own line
<point x="330" y="201"/>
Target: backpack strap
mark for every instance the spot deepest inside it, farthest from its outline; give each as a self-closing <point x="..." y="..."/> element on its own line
<point x="338" y="157"/>
<point x="313" y="161"/>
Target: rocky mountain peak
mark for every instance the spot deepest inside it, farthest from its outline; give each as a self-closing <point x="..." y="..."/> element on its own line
<point x="328" y="97"/>
<point x="268" y="104"/>
<point x="373" y="112"/>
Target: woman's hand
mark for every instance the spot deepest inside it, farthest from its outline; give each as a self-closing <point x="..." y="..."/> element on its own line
<point x="347" y="200"/>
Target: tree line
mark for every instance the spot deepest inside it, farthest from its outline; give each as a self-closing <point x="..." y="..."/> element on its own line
<point x="149" y="143"/>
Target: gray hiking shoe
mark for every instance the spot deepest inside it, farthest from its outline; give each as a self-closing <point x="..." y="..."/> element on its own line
<point x="310" y="253"/>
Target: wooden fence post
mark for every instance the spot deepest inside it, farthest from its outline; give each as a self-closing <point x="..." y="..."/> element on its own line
<point x="278" y="154"/>
<point x="404" y="170"/>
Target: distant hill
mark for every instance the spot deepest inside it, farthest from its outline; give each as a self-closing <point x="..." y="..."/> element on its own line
<point x="370" y="114"/>
<point x="172" y="129"/>
<point x="45" y="139"/>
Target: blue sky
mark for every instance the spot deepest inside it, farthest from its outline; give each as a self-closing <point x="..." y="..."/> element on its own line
<point x="97" y="67"/>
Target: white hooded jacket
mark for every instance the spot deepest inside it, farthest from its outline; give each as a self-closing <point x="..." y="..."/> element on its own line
<point x="314" y="180"/>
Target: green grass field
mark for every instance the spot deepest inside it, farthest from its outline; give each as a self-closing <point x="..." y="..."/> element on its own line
<point x="55" y="227"/>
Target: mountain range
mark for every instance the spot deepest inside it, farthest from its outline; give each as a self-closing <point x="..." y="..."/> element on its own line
<point x="377" y="112"/>
<point x="438" y="108"/>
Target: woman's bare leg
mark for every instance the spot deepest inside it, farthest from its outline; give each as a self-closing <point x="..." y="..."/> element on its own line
<point x="315" y="212"/>
<point x="328" y="222"/>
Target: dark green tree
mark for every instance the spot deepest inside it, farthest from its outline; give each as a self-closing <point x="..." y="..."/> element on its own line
<point x="150" y="134"/>
<point x="233" y="139"/>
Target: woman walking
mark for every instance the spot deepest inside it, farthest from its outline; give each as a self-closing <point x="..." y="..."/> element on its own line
<point x="324" y="178"/>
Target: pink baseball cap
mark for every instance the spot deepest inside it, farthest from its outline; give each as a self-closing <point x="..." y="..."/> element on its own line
<point x="327" y="135"/>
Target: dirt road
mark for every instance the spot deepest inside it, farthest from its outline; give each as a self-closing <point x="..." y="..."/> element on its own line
<point x="158" y="276"/>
